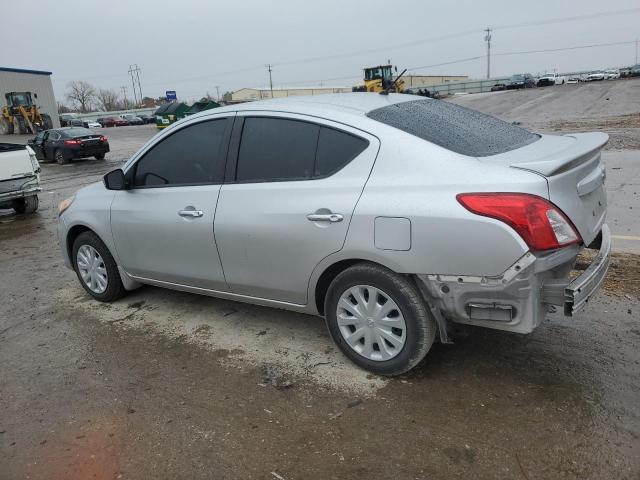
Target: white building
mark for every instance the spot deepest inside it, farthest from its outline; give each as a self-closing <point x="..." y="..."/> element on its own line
<point x="34" y="81"/>
<point x="250" y="94"/>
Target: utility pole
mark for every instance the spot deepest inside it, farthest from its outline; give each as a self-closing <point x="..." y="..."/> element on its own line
<point x="487" y="38"/>
<point x="133" y="84"/>
<point x="218" y="93"/>
<point x="270" y="80"/>
<point x="137" y="70"/>
<point x="636" y="62"/>
<point x="124" y="95"/>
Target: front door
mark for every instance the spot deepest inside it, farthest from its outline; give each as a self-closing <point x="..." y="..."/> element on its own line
<point x="296" y="184"/>
<point x="163" y="225"/>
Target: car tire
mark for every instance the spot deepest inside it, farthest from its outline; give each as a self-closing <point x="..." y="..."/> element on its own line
<point x="103" y="264"/>
<point x="59" y="157"/>
<point x="99" y="156"/>
<point x="26" y="205"/>
<point x="412" y="335"/>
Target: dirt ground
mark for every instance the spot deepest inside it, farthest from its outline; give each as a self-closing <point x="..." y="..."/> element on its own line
<point x="610" y="106"/>
<point x="170" y="385"/>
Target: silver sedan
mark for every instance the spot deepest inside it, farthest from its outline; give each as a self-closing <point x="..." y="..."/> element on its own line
<point x="390" y="216"/>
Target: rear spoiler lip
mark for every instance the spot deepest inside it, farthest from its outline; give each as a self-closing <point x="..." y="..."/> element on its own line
<point x="584" y="148"/>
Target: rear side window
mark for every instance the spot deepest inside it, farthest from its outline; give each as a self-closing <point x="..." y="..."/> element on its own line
<point x="277" y="149"/>
<point x="335" y="150"/>
<point x="274" y="149"/>
<point x="453" y="127"/>
<point x="191" y="156"/>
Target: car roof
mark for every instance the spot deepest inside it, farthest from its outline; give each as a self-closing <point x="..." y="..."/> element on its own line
<point x="331" y="105"/>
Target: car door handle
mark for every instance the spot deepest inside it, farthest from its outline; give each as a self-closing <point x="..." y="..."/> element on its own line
<point x="325" y="217"/>
<point x="191" y="213"/>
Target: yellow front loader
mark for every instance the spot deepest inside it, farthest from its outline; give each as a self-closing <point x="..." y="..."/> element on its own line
<point x="380" y="79"/>
<point x="21" y="115"/>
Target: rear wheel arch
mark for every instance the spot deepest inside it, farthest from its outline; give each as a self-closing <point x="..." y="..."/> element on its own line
<point x="331" y="272"/>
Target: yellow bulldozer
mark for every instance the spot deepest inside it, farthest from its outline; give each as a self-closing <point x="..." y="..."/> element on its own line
<point x="21" y="115"/>
<point x="380" y="79"/>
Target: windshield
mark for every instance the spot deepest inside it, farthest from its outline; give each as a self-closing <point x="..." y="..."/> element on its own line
<point x="453" y="127"/>
<point x="517" y="78"/>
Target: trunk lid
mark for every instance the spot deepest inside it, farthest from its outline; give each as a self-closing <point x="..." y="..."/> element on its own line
<point x="571" y="165"/>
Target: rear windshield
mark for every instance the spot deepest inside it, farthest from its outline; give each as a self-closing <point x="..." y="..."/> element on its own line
<point x="76" y="132"/>
<point x="453" y="127"/>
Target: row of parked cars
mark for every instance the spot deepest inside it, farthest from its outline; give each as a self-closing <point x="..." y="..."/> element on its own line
<point x="69" y="120"/>
<point x="526" y="80"/>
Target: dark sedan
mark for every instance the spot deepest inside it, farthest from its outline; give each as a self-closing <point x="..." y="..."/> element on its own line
<point x="64" y="144"/>
<point x="112" y="122"/>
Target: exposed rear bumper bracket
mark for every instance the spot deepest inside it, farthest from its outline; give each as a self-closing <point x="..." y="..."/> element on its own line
<point x="574" y="295"/>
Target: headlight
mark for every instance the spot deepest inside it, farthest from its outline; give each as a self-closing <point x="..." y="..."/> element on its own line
<point x="66" y="203"/>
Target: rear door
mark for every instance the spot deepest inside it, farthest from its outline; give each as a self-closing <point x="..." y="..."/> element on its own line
<point x="163" y="226"/>
<point x="294" y="183"/>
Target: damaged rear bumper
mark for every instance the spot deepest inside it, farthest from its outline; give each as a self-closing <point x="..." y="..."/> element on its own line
<point x="574" y="295"/>
<point x="519" y="298"/>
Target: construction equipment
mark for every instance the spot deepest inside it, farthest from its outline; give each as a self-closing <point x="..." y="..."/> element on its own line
<point x="380" y="79"/>
<point x="21" y="115"/>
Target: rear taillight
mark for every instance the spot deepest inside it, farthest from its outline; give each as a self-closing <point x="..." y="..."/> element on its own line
<point x="539" y="222"/>
<point x="103" y="139"/>
<point x="72" y="142"/>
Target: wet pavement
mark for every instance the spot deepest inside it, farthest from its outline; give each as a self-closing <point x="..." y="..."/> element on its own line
<point x="171" y="385"/>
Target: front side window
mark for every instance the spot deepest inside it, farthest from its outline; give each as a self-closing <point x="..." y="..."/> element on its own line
<point x="193" y="155"/>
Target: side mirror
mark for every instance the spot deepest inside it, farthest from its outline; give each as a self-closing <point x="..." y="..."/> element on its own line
<point x="115" y="180"/>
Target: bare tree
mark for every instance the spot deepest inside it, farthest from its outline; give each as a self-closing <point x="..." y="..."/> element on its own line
<point x="82" y="93"/>
<point x="108" y="99"/>
<point x="62" y="108"/>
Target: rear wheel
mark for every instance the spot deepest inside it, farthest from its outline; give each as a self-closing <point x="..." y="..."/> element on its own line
<point x="60" y="158"/>
<point x="378" y="319"/>
<point x="99" y="156"/>
<point x="26" y="204"/>
<point x="96" y="268"/>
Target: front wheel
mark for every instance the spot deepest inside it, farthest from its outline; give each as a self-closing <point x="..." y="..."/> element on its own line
<point x="378" y="319"/>
<point x="96" y="268"/>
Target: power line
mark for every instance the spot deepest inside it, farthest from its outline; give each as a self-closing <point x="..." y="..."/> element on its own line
<point x="577" y="47"/>
<point x="573" y="18"/>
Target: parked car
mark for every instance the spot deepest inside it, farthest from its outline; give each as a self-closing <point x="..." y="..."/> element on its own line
<point x="65" y="119"/>
<point x="112" y="122"/>
<point x="551" y="79"/>
<point x="635" y="71"/>
<point x="91" y="124"/>
<point x="131" y="119"/>
<point x="147" y="118"/>
<point x="612" y="74"/>
<point x="66" y="143"/>
<point x="498" y="87"/>
<point x="484" y="228"/>
<point x="573" y="79"/>
<point x="595" y="76"/>
<point x="75" y="122"/>
<point x="19" y="178"/>
<point x="521" y="80"/>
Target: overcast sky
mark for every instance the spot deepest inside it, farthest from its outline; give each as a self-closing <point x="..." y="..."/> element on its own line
<point x="193" y="45"/>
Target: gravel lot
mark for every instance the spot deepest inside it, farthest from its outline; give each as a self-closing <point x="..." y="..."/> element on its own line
<point x="171" y="385"/>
